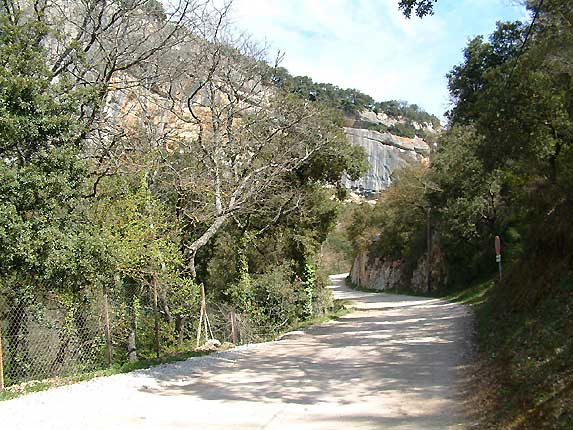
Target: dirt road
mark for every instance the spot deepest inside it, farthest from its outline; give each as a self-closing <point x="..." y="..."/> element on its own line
<point x="393" y="363"/>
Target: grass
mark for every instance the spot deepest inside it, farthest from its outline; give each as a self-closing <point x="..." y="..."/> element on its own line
<point x="530" y="355"/>
<point x="34" y="386"/>
<point x="339" y="309"/>
<point x="475" y="294"/>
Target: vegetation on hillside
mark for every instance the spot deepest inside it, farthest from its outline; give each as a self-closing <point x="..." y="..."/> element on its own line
<point x="136" y="166"/>
<point x="503" y="167"/>
<point x="350" y="101"/>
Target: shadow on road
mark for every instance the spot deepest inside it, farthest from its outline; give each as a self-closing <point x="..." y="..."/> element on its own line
<point x="398" y="352"/>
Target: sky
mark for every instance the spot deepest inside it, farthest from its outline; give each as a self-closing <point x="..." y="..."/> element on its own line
<point x="369" y="45"/>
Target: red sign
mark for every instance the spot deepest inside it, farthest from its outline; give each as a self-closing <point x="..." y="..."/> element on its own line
<point x="497" y="245"/>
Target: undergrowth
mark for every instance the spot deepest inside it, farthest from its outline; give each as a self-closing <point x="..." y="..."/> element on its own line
<point x="530" y="351"/>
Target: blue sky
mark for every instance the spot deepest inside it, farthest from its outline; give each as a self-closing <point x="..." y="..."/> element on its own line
<point x="369" y="45"/>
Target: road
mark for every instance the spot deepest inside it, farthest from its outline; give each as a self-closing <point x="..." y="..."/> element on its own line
<point x="395" y="362"/>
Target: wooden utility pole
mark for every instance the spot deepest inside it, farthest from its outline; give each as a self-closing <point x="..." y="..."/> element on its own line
<point x="108" y="350"/>
<point x="498" y="255"/>
<point x="429" y="231"/>
<point x="429" y="247"/>
<point x="234" y="328"/>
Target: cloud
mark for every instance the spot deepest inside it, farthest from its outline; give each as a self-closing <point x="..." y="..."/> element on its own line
<point x="370" y="45"/>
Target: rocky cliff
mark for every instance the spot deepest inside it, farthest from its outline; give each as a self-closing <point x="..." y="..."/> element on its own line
<point x="386" y="152"/>
<point x="379" y="273"/>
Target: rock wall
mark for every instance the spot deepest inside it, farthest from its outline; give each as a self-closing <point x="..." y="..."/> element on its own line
<point x="386" y="153"/>
<point x="375" y="273"/>
<point x="381" y="274"/>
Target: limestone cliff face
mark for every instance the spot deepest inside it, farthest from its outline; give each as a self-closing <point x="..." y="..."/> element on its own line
<point x="386" y="153"/>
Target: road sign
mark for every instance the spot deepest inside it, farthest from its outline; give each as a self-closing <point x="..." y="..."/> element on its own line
<point x="498" y="254"/>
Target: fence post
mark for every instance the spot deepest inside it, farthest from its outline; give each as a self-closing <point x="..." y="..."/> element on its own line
<point x="233" y="328"/>
<point x="1" y="362"/>
<point x="202" y="317"/>
<point x="156" y="317"/>
<point x="107" y="329"/>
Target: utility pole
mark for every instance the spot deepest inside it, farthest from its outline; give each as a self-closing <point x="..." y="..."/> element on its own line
<point x="108" y="345"/>
<point x="429" y="248"/>
<point x="429" y="231"/>
<point x="156" y="318"/>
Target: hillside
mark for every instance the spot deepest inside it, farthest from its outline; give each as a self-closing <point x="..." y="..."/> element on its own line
<point x="393" y="133"/>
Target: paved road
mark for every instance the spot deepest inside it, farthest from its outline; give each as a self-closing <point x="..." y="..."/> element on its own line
<point x="393" y="363"/>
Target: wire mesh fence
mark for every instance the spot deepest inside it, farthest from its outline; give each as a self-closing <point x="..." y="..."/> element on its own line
<point x="50" y="339"/>
<point x="59" y="336"/>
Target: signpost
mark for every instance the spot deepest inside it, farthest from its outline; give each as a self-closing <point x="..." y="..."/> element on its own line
<point x="498" y="254"/>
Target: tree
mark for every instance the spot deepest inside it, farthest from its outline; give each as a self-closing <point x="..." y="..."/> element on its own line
<point x="420" y="7"/>
<point x="236" y="137"/>
<point x="106" y="53"/>
<point x="41" y="178"/>
<point x="468" y="81"/>
<point x="143" y="237"/>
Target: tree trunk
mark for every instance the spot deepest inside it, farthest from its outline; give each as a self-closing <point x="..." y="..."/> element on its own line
<point x="156" y="319"/>
<point x="203" y="240"/>
<point x="132" y="338"/>
<point x="131" y="346"/>
<point x="108" y="345"/>
<point x="180" y="330"/>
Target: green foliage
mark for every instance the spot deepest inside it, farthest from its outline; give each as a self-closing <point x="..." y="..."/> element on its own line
<point x="129" y="239"/>
<point x="403" y="129"/>
<point x="143" y="233"/>
<point x="337" y="252"/>
<point x="277" y="297"/>
<point x="409" y="112"/>
<point x="349" y="101"/>
<point x="184" y="298"/>
<point x="41" y="176"/>
<point x="504" y="168"/>
<point x="530" y="353"/>
<point x="470" y="205"/>
<point x="345" y="100"/>
<point x="309" y="284"/>
<point x="420" y="7"/>
<point x="395" y="228"/>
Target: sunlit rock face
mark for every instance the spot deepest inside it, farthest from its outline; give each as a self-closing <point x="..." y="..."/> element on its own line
<point x="386" y="153"/>
<point x="375" y="273"/>
<point x="381" y="274"/>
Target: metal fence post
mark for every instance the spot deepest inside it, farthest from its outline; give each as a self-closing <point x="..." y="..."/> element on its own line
<point x="1" y="362"/>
